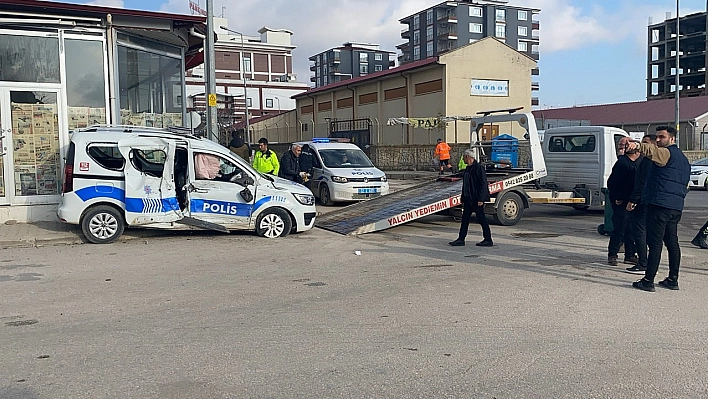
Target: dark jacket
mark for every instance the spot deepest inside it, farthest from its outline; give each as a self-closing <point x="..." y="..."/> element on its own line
<point x="620" y="184"/>
<point x="240" y="148"/>
<point x="306" y="161"/>
<point x="640" y="178"/>
<point x="474" y="184"/>
<point x="289" y="167"/>
<point x="667" y="185"/>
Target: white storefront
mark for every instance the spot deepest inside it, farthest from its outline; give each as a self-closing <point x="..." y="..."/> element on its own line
<point x="66" y="66"/>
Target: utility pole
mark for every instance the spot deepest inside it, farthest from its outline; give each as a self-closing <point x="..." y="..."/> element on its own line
<point x="210" y="89"/>
<point x="678" y="51"/>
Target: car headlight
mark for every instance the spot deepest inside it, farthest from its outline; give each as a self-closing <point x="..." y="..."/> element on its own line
<point x="338" y="179"/>
<point x="384" y="178"/>
<point x="305" y="199"/>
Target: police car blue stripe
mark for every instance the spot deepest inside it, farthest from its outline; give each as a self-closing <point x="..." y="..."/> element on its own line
<point x="91" y="192"/>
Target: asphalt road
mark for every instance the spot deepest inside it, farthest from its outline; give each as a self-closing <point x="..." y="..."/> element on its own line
<point x="540" y="315"/>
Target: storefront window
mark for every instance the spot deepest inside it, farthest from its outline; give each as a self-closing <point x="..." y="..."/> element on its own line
<point x="150" y="87"/>
<point x="29" y="59"/>
<point x="85" y="82"/>
<point x="35" y="138"/>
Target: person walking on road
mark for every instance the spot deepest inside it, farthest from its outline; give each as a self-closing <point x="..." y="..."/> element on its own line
<point x="620" y="185"/>
<point x="475" y="192"/>
<point x="637" y="220"/>
<point x="265" y="160"/>
<point x="664" y="195"/>
<point x="442" y="153"/>
<point x="700" y="239"/>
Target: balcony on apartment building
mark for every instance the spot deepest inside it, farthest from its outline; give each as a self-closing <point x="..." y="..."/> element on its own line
<point x="406" y="33"/>
<point x="534" y="86"/>
<point x="446" y="45"/>
<point x="449" y="15"/>
<point x="534" y="101"/>
<point x="403" y="58"/>
<point x="448" y="32"/>
<point x="313" y="67"/>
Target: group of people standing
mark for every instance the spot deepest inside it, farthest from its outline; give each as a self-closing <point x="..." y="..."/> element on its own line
<point x="647" y="189"/>
<point x="296" y="164"/>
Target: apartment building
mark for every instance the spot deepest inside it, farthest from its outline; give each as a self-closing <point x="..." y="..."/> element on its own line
<point x="452" y="24"/>
<point x="259" y="66"/>
<point x="661" y="56"/>
<point x="348" y="61"/>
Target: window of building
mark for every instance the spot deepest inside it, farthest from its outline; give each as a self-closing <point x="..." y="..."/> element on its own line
<point x="363" y="69"/>
<point x="523" y="15"/>
<point x="247" y="63"/>
<point x="523" y="31"/>
<point x="501" y="15"/>
<point x="523" y="46"/>
<point x="429" y="50"/>
<point x="429" y="17"/>
<point x="269" y="103"/>
<point x="20" y="56"/>
<point x="363" y="57"/>
<point x="500" y="30"/>
<point x="416" y="52"/>
<point x="475" y="11"/>
<point x="378" y="56"/>
<point x="249" y="100"/>
<point x="475" y="28"/>
<point x="378" y="68"/>
<point x="429" y="33"/>
<point x="86" y="84"/>
<point x="149" y="83"/>
<point x="416" y="22"/>
<point x="325" y="81"/>
<point x="416" y="38"/>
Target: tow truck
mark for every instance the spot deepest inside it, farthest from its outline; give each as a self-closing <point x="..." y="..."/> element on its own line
<point x="512" y="189"/>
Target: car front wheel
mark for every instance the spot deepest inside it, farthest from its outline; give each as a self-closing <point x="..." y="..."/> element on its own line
<point x="273" y="223"/>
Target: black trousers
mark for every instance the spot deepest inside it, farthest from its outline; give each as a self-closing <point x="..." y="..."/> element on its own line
<point x="637" y="228"/>
<point x="619" y="232"/>
<point x="662" y="225"/>
<point x="467" y="209"/>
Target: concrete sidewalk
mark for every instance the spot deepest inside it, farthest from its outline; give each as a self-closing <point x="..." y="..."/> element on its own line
<point x="18" y="235"/>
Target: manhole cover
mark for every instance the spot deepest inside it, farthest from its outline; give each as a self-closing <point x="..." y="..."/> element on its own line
<point x="535" y="235"/>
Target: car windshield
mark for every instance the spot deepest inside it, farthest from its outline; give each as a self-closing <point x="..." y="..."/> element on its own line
<point x="345" y="158"/>
<point x="700" y="162"/>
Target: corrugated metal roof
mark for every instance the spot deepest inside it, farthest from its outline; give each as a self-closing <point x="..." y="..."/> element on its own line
<point x="654" y="111"/>
<point x="371" y="76"/>
<point x="88" y="10"/>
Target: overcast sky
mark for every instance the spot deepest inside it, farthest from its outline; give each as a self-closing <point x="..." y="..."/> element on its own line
<point x="591" y="51"/>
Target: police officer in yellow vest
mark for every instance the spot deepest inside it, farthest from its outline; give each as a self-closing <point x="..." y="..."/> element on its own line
<point x="265" y="160"/>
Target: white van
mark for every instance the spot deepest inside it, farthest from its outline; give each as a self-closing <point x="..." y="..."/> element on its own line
<point x="342" y="172"/>
<point x="580" y="158"/>
<point x="160" y="178"/>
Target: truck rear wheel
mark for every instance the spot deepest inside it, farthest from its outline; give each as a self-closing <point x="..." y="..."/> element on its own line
<point x="102" y="224"/>
<point x="509" y="210"/>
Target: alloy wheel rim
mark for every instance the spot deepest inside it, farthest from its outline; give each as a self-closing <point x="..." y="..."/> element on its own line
<point x="272" y="225"/>
<point x="103" y="226"/>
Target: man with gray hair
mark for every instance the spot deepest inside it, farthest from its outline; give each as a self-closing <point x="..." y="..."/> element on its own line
<point x="290" y="165"/>
<point x="475" y="192"/>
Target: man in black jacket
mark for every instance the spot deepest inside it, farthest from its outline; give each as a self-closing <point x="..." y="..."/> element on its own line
<point x="637" y="219"/>
<point x="664" y="195"/>
<point x="290" y="165"/>
<point x="620" y="185"/>
<point x="475" y="192"/>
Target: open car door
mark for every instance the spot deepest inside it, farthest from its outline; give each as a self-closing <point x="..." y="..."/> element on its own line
<point x="150" y="195"/>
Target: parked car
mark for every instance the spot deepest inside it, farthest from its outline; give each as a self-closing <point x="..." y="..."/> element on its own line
<point x="699" y="174"/>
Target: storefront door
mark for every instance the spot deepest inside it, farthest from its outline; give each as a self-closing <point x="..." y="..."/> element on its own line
<point x="30" y="161"/>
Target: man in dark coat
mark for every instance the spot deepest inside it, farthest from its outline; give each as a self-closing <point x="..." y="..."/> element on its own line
<point x="637" y="219"/>
<point x="290" y="165"/>
<point x="475" y="192"/>
<point x="620" y="185"/>
<point x="664" y="195"/>
<point x="238" y="146"/>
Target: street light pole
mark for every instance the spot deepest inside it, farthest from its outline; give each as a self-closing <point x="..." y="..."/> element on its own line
<point x="243" y="76"/>
<point x="678" y="51"/>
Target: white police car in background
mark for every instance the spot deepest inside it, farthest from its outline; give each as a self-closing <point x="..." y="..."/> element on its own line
<point x="160" y="178"/>
<point x="342" y="172"/>
<point x="699" y="174"/>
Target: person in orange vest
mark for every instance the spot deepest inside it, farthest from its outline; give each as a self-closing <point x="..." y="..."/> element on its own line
<point x="442" y="153"/>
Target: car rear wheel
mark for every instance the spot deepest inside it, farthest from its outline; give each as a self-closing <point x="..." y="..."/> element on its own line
<point x="273" y="223"/>
<point x="102" y="224"/>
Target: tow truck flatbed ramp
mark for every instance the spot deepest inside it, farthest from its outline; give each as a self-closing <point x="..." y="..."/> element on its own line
<point x="393" y="209"/>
